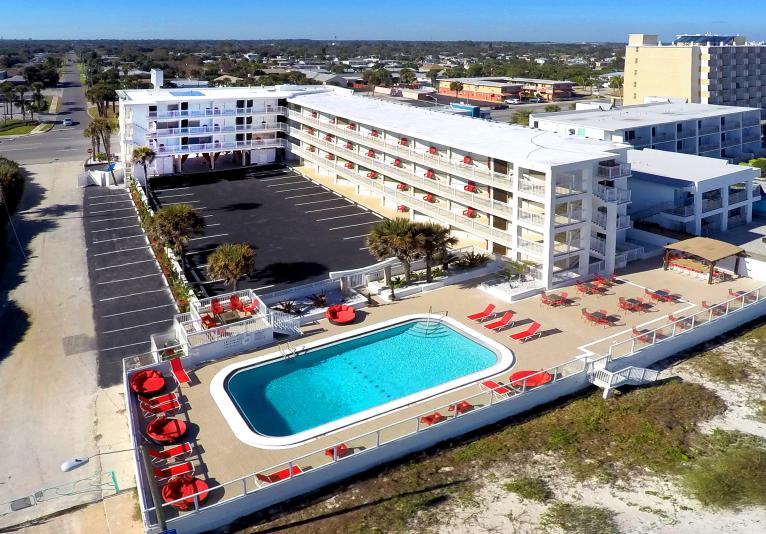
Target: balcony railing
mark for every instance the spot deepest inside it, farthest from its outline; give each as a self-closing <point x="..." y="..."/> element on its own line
<point x="661" y="137"/>
<point x="407" y="199"/>
<point x="574" y="216"/>
<point x="565" y="187"/>
<point x="217" y="112"/>
<point x="409" y="176"/>
<point x="537" y="219"/>
<point x="434" y="161"/>
<point x="623" y="221"/>
<point x="613" y="171"/>
<point x="567" y="247"/>
<point x="737" y="196"/>
<point x="220" y="147"/>
<point x="710" y="204"/>
<point x="612" y="194"/>
<point x="531" y="185"/>
<point x="680" y="211"/>
<point x="535" y="247"/>
<point x="708" y="129"/>
<point x="598" y="245"/>
<point x="207" y="130"/>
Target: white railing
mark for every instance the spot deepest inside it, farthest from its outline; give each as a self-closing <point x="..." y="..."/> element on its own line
<point x="737" y="196"/>
<point x="196" y="335"/>
<point x="531" y="217"/>
<point x="571" y="217"/>
<point x="531" y="246"/>
<point x="284" y="322"/>
<point x="409" y="176"/>
<point x="205" y="130"/>
<point x="361" y="444"/>
<point x="613" y="171"/>
<point x="680" y="211"/>
<point x="621" y="349"/>
<point x="301" y="291"/>
<point x="622" y="258"/>
<point x="227" y="145"/>
<point x="531" y="185"/>
<point x="710" y="204"/>
<point x="248" y="296"/>
<point x="567" y="247"/>
<point x="435" y="161"/>
<point x="598" y="245"/>
<point x="612" y="194"/>
<point x="217" y="112"/>
<point x="597" y="267"/>
<point x="574" y="186"/>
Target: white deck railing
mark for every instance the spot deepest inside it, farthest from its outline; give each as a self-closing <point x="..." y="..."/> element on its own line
<point x="217" y="112"/>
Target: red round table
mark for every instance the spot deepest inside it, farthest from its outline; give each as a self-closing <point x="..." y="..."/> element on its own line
<point x="147" y="382"/>
<point x="185" y="485"/>
<point x="165" y="430"/>
<point x="536" y="378"/>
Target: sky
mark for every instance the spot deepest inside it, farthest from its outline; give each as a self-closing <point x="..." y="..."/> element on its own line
<point x="497" y="20"/>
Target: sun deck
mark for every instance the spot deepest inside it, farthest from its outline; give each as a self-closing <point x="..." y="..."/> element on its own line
<point x="564" y="342"/>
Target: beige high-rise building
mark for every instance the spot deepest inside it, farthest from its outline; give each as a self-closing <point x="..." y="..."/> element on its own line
<point x="706" y="69"/>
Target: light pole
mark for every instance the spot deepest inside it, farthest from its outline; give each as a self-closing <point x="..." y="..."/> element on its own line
<point x="74" y="463"/>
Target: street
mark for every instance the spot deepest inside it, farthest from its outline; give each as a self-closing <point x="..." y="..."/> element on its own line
<point x="59" y="144"/>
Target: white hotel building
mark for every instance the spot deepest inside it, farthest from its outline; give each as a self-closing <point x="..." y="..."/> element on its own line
<point x="555" y="200"/>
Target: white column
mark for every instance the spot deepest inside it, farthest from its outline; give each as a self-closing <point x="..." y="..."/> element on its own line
<point x="697" y="212"/>
<point x="725" y="208"/>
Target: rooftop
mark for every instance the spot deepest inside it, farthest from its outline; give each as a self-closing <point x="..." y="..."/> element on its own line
<point x="503" y="80"/>
<point x="660" y="164"/>
<point x="152" y="96"/>
<point x="641" y="115"/>
<point x="498" y="140"/>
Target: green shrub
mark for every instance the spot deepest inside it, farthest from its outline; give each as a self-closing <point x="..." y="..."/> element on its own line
<point x="11" y="185"/>
<point x="473" y="259"/>
<point x="436" y="272"/>
<point x="579" y="519"/>
<point x="534" y="489"/>
<point x="731" y="478"/>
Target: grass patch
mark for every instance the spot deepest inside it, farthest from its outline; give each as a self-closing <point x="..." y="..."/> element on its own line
<point x="649" y="427"/>
<point x="579" y="519"/>
<point x="17" y="127"/>
<point x="713" y="365"/>
<point x="730" y="479"/>
<point x="760" y="410"/>
<point x="47" y="127"/>
<point x="54" y="104"/>
<point x="534" y="489"/>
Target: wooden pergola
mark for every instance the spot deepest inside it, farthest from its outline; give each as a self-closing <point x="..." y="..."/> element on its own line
<point x="711" y="251"/>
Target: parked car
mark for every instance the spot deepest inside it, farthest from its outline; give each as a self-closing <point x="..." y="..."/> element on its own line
<point x="67" y="122"/>
<point x="535" y="100"/>
<point x="512" y="101"/>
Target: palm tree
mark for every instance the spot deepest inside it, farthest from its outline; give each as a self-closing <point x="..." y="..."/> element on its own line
<point x="407" y="76"/>
<point x="21" y="91"/>
<point x="432" y="240"/>
<point x="175" y="224"/>
<point x="394" y="237"/>
<point x="102" y="128"/>
<point x="456" y="86"/>
<point x="230" y="262"/>
<point x="143" y="155"/>
<point x="95" y="140"/>
<point x="616" y="82"/>
<point x="7" y="90"/>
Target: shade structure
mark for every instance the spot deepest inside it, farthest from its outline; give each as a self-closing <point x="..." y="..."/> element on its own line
<point x="706" y="248"/>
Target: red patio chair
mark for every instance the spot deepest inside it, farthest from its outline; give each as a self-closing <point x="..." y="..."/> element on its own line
<point x="428" y="198"/>
<point x="179" y="372"/>
<point x="563" y="299"/>
<point x="530" y="333"/>
<point x="216" y="308"/>
<point x="504" y="321"/>
<point x="470" y="213"/>
<point x="174" y="470"/>
<point x="644" y="336"/>
<point x="235" y="303"/>
<point x="208" y="322"/>
<point x="432" y="419"/>
<point x="279" y="475"/>
<point x="162" y="399"/>
<point x="471" y="188"/>
<point x="339" y="451"/>
<point x="461" y="407"/>
<point x="545" y="300"/>
<point x="484" y="314"/>
<point x="495" y="387"/>
<point x="172" y="452"/>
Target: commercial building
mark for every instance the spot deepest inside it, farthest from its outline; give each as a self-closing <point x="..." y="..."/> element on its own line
<point x="543" y="198"/>
<point x="497" y="89"/>
<point x="690" y="194"/>
<point x="702" y="129"/>
<point x="706" y="69"/>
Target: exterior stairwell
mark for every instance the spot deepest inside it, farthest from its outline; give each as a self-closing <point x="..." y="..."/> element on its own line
<point x="609" y="380"/>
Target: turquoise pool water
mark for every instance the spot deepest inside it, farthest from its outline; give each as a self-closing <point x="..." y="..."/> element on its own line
<point x="293" y="395"/>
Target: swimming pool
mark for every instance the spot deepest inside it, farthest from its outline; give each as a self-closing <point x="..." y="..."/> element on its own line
<point x="274" y="401"/>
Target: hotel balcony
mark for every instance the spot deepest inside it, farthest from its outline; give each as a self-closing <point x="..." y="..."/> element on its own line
<point x="532" y="247"/>
<point x="571" y="186"/>
<point x="680" y="211"/>
<point x="612" y="194"/>
<point x="567" y="247"/>
<point x="222" y="147"/>
<point x="619" y="170"/>
<point x="599" y="219"/>
<point x="710" y="204"/>
<point x="737" y="197"/>
<point x="445" y="216"/>
<point x="434" y="161"/>
<point x="575" y="216"/>
<point x="532" y="185"/>
<point x="409" y="176"/>
<point x="216" y="112"/>
<point x="207" y="130"/>
<point x="531" y="217"/>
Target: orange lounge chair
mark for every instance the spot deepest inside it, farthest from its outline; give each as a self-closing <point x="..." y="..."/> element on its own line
<point x="526" y="335"/>
<point x="174" y="470"/>
<point x="173" y="452"/>
<point x="502" y="322"/>
<point x="484" y="314"/>
<point x="494" y="386"/>
<point x="279" y="475"/>
<point x="179" y="372"/>
<point x="432" y="419"/>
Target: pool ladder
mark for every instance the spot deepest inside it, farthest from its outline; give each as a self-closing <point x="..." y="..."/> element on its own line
<point x="290" y="352"/>
<point x="439" y="316"/>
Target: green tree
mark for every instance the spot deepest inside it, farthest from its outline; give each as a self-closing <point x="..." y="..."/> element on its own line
<point x="230" y="262"/>
<point x="11" y="187"/>
<point x="142" y="155"/>
<point x="433" y="74"/>
<point x="21" y="99"/>
<point x="394" y="238"/>
<point x="433" y="240"/>
<point x="101" y="128"/>
<point x="407" y="76"/>
<point x="759" y="163"/>
<point x="456" y="86"/>
<point x="375" y="77"/>
<point x="552" y="108"/>
<point x="8" y="97"/>
<point x="175" y="224"/>
<point x="522" y="117"/>
<point x="616" y="82"/>
<point x="95" y="138"/>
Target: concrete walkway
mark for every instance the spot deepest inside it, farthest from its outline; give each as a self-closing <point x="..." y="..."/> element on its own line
<point x="48" y="366"/>
<point x="115" y="515"/>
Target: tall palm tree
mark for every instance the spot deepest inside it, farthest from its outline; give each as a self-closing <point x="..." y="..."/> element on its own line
<point x="21" y="91"/>
<point x="394" y="237"/>
<point x="102" y="128"/>
<point x="432" y="240"/>
<point x="142" y="155"/>
<point x="175" y="224"/>
<point x="8" y="97"/>
<point x="95" y="140"/>
<point x="456" y="86"/>
<point x="230" y="262"/>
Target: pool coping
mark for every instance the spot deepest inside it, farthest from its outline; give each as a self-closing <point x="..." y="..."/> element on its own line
<point x="241" y="429"/>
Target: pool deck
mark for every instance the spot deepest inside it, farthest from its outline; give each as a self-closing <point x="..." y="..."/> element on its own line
<point x="564" y="337"/>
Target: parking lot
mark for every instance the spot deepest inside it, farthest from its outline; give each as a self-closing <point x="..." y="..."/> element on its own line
<point x="300" y="230"/>
<point x="130" y="298"/>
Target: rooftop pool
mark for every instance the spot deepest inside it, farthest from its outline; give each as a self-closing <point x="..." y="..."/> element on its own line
<point x="275" y="401"/>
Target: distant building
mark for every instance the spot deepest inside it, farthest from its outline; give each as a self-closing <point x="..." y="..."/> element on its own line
<point x="497" y="89"/>
<point x="185" y="82"/>
<point x="227" y="78"/>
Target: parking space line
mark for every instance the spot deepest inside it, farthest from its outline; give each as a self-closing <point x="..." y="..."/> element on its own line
<point x="118" y="238"/>
<point x="351" y="225"/>
<point x="199" y="251"/>
<point x="112" y="202"/>
<point x="318" y="201"/>
<point x="182" y="202"/>
<point x="133" y="294"/>
<point x="139" y="310"/>
<point x="172" y="189"/>
<point x="207" y="237"/>
<point x="110" y="196"/>
<point x="283" y="185"/>
<point x="115" y="228"/>
<point x="136" y="326"/>
<point x="264" y="287"/>
<point x="110" y="211"/>
<point x="113" y="219"/>
<point x="296" y="189"/>
<point x="286" y="177"/>
<point x="123" y="264"/>
<point x="121" y="250"/>
<point x="124" y="346"/>
<point x="307" y="195"/>
<point x="355" y="236"/>
<point x="211" y="215"/>
<point x="342" y="216"/>
<point x="333" y="208"/>
<point x="174" y="196"/>
<point x="127" y="279"/>
<point x="364" y="248"/>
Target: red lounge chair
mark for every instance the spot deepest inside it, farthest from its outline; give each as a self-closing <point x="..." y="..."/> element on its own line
<point x="279" y="475"/>
<point x="173" y="452"/>
<point x="494" y="386"/>
<point x="484" y="314"/>
<point x="528" y="334"/>
<point x="644" y="336"/>
<point x="400" y="208"/>
<point x="471" y="188"/>
<point x="216" y="308"/>
<point x="340" y="314"/>
<point x="561" y="300"/>
<point x="546" y="300"/>
<point x="208" y="322"/>
<point x="432" y="419"/>
<point x="338" y="451"/>
<point x="235" y="303"/>
<point x="470" y="213"/>
<point x="174" y="470"/>
<point x="165" y="430"/>
<point x="147" y="382"/>
<point x="179" y="372"/>
<point x="502" y="322"/>
<point x="162" y="399"/>
<point x="429" y="173"/>
<point x="461" y="407"/>
<point x="160" y="408"/>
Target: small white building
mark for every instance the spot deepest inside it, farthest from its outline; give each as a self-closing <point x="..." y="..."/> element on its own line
<point x="691" y="194"/>
<point x="702" y="129"/>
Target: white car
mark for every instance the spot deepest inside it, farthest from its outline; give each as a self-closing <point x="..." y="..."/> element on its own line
<point x="535" y="100"/>
<point x="512" y="101"/>
<point x="67" y="122"/>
